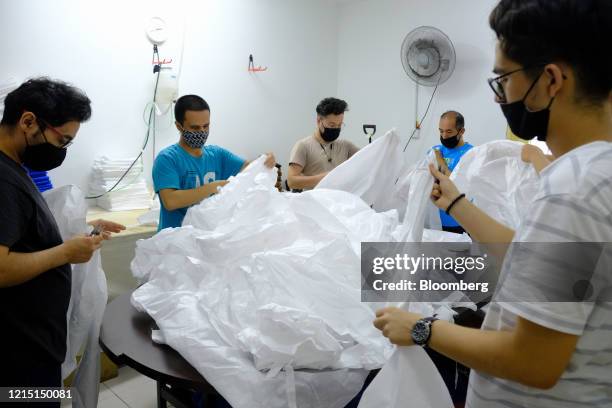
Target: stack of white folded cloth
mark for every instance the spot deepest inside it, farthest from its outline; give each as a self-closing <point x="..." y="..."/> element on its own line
<point x="130" y="194"/>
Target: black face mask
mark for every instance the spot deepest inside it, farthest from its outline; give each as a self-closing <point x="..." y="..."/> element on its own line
<point x="43" y="157"/>
<point x="524" y="123"/>
<point x="450" y="142"/>
<point x="330" y="134"/>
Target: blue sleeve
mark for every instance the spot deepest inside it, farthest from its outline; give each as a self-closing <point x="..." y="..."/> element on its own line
<point x="165" y="173"/>
<point x="230" y="163"/>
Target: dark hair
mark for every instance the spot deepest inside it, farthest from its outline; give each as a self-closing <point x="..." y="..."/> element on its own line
<point x="459" y="119"/>
<point x="533" y="32"/>
<point x="331" y="106"/>
<point x="188" y="103"/>
<point x="54" y="101"/>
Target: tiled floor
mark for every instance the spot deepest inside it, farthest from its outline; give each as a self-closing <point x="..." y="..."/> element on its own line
<point x="129" y="390"/>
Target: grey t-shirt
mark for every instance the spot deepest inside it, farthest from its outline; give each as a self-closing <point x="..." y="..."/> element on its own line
<point x="316" y="158"/>
<point x="572" y="206"/>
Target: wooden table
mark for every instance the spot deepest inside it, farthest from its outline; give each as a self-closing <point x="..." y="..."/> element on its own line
<point x="118" y="252"/>
<point x="129" y="218"/>
<point x="125" y="337"/>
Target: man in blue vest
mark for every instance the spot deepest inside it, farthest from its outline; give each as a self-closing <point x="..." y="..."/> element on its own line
<point x="452" y="148"/>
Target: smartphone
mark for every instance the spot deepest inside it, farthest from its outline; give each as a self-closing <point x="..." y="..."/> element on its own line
<point x="96" y="231"/>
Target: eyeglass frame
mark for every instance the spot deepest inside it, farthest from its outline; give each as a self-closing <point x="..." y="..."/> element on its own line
<point x="503" y="98"/>
<point x="495" y="80"/>
<point x="339" y="127"/>
<point x="57" y="132"/>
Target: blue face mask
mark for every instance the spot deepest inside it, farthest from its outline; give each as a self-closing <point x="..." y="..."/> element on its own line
<point x="195" y="140"/>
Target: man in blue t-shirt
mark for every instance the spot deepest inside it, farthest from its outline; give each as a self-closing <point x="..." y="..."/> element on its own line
<point x="185" y="173"/>
<point x="452" y="148"/>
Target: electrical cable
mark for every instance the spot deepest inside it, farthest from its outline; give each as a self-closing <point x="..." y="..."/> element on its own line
<point x="422" y="119"/>
<point x="425" y="115"/>
<point x="148" y="134"/>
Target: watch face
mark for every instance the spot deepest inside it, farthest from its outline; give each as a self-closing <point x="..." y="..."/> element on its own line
<point x="420" y="332"/>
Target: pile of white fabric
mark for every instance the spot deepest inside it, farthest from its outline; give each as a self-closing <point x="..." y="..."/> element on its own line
<point x="260" y="290"/>
<point x="497" y="180"/>
<point x="130" y="194"/>
<point x="258" y="284"/>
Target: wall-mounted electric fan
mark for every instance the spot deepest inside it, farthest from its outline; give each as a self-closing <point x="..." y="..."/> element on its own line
<point x="428" y="57"/>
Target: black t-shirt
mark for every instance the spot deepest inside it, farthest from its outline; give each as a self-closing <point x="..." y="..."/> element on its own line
<point x="33" y="314"/>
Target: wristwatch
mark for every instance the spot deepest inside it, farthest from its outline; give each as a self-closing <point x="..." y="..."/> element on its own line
<point x="421" y="332"/>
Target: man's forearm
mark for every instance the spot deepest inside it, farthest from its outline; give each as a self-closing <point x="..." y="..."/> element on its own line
<point x="17" y="268"/>
<point x="480" y="225"/>
<point x="301" y="182"/>
<point x="496" y="353"/>
<point x="176" y="199"/>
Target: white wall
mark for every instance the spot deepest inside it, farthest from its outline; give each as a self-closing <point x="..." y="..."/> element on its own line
<point x="372" y="80"/>
<point x="314" y="49"/>
<point x="100" y="46"/>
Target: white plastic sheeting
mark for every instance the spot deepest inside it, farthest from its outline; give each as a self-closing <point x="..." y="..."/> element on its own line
<point x="263" y="284"/>
<point x="414" y="189"/>
<point x="257" y="284"/>
<point x="497" y="180"/>
<point x="380" y="177"/>
<point x="371" y="173"/>
<point x="87" y="301"/>
<point x="409" y="379"/>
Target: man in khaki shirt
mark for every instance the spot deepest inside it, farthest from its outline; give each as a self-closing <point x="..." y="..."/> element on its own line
<point x="316" y="155"/>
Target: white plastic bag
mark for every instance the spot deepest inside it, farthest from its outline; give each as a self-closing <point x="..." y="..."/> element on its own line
<point x="497" y="180"/>
<point x="259" y="284"/>
<point x="87" y="301"/>
<point x="409" y="375"/>
<point x="272" y="285"/>
<point x="371" y="173"/>
<point x="409" y="379"/>
<point x="414" y="189"/>
<point x="216" y="210"/>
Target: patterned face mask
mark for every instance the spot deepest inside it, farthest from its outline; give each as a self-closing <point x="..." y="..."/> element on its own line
<point x="195" y="140"/>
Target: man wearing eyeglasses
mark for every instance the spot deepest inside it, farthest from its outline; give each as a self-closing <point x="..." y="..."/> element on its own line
<point x="318" y="154"/>
<point x="41" y="118"/>
<point x="541" y="345"/>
